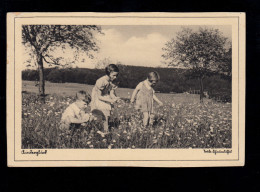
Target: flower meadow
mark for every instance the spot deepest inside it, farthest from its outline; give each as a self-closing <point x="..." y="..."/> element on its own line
<point x="179" y="123"/>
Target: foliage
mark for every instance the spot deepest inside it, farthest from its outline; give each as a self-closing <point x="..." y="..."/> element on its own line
<point x="45" y="40"/>
<point x="197" y="50"/>
<point x="31" y="75"/>
<point x="203" y="51"/>
<point x="101" y="64"/>
<point x="172" y="80"/>
<point x="226" y="64"/>
<point x="223" y="95"/>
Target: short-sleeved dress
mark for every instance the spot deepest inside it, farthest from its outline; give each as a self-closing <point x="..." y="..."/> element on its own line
<point x="144" y="98"/>
<point x="102" y="87"/>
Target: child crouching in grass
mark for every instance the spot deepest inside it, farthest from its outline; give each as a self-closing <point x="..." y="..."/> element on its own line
<point x="75" y="112"/>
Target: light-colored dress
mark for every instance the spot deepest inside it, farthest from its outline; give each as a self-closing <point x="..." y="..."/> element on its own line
<point x="72" y="112"/>
<point x="144" y="98"/>
<point x="103" y="88"/>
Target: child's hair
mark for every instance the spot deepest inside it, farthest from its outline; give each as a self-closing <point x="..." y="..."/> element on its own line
<point x="84" y="96"/>
<point x="153" y="75"/>
<point x="111" y="68"/>
<point x="99" y="115"/>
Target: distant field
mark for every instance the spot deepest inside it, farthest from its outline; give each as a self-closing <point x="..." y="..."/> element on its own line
<point x="69" y="89"/>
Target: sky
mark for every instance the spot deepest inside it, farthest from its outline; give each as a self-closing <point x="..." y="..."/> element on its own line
<point x="137" y="45"/>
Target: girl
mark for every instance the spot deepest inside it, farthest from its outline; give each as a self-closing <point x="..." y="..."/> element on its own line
<point x="145" y="96"/>
<point x="103" y="93"/>
<point x="75" y="112"/>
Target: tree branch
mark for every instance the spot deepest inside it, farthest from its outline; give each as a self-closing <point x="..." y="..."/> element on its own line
<point x="53" y="60"/>
<point x="28" y="37"/>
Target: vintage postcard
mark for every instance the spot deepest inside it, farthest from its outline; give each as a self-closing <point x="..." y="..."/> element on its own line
<point x="126" y="89"/>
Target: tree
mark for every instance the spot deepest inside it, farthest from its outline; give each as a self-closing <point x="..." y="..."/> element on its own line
<point x="102" y="64"/>
<point x="226" y="64"/>
<point x="44" y="39"/>
<point x="201" y="51"/>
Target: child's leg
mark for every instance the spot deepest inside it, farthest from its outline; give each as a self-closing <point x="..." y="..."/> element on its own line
<point x="145" y="118"/>
<point x="151" y="119"/>
<point x="106" y="125"/>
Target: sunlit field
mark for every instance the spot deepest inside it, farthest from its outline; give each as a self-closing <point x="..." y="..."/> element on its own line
<point x="183" y="122"/>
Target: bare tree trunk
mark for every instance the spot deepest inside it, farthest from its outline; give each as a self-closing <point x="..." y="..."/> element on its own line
<point x="41" y="77"/>
<point x="201" y="89"/>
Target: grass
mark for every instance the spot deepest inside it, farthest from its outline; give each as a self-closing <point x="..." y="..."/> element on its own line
<point x="182" y="122"/>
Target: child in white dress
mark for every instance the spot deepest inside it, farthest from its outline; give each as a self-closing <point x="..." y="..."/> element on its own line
<point x="75" y="112"/>
<point x="103" y="93"/>
<point x="144" y="95"/>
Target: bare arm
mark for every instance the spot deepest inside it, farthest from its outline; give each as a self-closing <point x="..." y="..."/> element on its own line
<point x="157" y="100"/>
<point x="84" y="118"/>
<point x="137" y="89"/>
<point x="113" y="93"/>
<point x="78" y="121"/>
<point x="103" y="98"/>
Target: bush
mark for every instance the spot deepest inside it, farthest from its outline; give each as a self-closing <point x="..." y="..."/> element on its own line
<point x="222" y="95"/>
<point x="55" y="76"/>
<point x="172" y="80"/>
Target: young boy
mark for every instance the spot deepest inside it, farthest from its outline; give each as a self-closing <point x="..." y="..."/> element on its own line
<point x="75" y="112"/>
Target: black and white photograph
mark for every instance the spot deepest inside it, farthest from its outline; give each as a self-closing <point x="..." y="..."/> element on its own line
<point x="134" y="86"/>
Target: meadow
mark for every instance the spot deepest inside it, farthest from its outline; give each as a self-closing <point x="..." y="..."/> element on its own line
<point x="183" y="122"/>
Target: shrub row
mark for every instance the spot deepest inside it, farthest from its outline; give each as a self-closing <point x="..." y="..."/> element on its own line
<point x="172" y="79"/>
